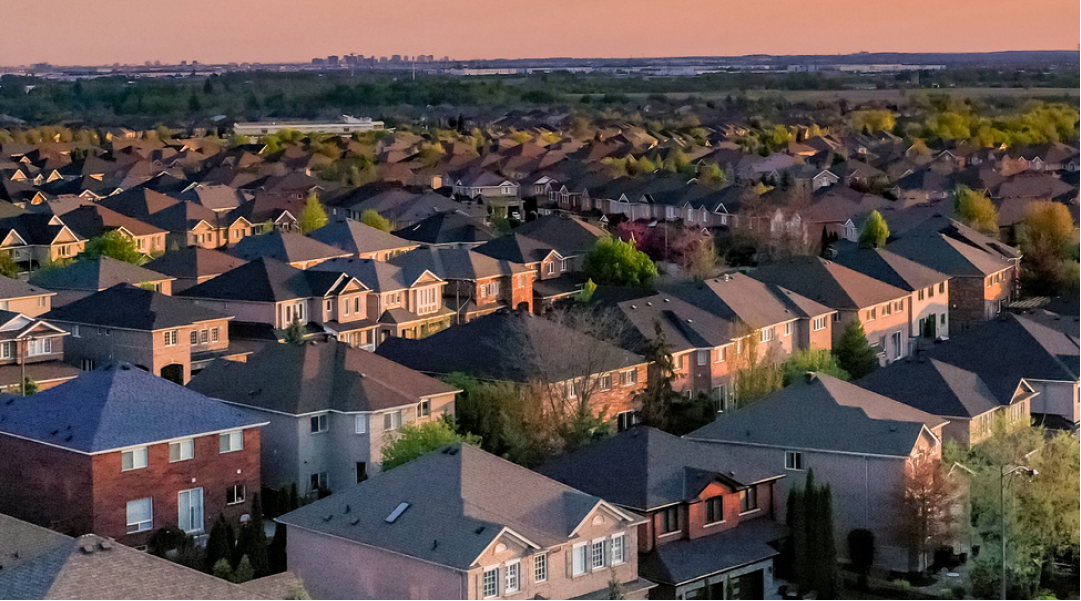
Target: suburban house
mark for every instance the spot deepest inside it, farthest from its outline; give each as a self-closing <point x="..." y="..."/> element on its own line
<point x="31" y="348"/>
<point x="476" y="284"/>
<point x="288" y="247"/>
<point x="929" y="298"/>
<point x="331" y="408"/>
<point x="452" y="228"/>
<point x="861" y="443"/>
<point x="122" y="452"/>
<point x="360" y="240"/>
<point x="36" y="239"/>
<point x="982" y="270"/>
<point x="565" y="367"/>
<point x="956" y="394"/>
<point x="460" y="523"/>
<point x="404" y="303"/>
<point x="42" y="564"/>
<point x="193" y="265"/>
<point x="883" y="309"/>
<point x="92" y="221"/>
<point x="267" y="291"/>
<point x="482" y="183"/>
<point x="710" y="530"/>
<point x="94" y="274"/>
<point x="165" y="335"/>
<point x="19" y="297"/>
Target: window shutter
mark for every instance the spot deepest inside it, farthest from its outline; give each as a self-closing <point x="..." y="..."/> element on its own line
<point x="569" y="552"/>
<point x="387" y="421"/>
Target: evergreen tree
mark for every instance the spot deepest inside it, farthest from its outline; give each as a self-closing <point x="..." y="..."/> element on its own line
<point x="244" y="571"/>
<point x="313" y="216"/>
<point x="797" y="526"/>
<point x="223" y="570"/>
<point x="218" y="544"/>
<point x="294" y="334"/>
<point x="658" y="395"/>
<point x="252" y="543"/>
<point x="372" y="218"/>
<point x="294" y="497"/>
<point x="828" y="576"/>
<point x="276" y="552"/>
<point x="854" y="353"/>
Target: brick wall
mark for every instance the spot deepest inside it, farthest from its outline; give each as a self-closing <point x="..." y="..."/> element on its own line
<point x="46" y="485"/>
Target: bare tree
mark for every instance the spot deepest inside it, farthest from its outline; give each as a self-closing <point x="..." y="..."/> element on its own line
<point x="930" y="503"/>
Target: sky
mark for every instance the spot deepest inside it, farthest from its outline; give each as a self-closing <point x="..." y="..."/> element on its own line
<point x="67" y="32"/>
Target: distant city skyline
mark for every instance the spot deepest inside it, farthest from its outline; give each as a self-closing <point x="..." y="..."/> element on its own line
<point x="284" y="31"/>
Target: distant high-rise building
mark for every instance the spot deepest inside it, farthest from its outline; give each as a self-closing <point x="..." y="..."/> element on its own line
<point x="317" y="61"/>
<point x="332" y="60"/>
<point x="395" y="58"/>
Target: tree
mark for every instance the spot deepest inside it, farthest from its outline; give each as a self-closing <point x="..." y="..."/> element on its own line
<point x="116" y="245"/>
<point x="8" y="267"/>
<point x="294" y="333"/>
<point x="252" y="541"/>
<point x="657" y="397"/>
<point x="223" y="569"/>
<point x="712" y="175"/>
<point x="1044" y="237"/>
<point x="874" y="232"/>
<point x="220" y="545"/>
<point x="700" y="260"/>
<point x="29" y="386"/>
<point x="415" y="440"/>
<point x="244" y="571"/>
<point x="588" y="289"/>
<point x="615" y="590"/>
<point x="861" y="549"/>
<point x="871" y="121"/>
<point x="313" y="216"/>
<point x="975" y="210"/>
<point x="807" y="360"/>
<point x="372" y="218"/>
<point x="276" y="551"/>
<point x="854" y="353"/>
<point x="613" y="262"/>
<point x="758" y="374"/>
<point x="928" y="508"/>
<point x="809" y="517"/>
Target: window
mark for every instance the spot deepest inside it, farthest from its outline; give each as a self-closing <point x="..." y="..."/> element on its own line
<point x="619" y="543"/>
<point x="427" y="300"/>
<point x="330" y="306"/>
<point x="714" y="510"/>
<point x="190" y="510"/>
<point x="887" y="309"/>
<point x="596" y="555"/>
<point x="722" y="354"/>
<point x="214" y="334"/>
<point x="748" y="499"/>
<point x="540" y="568"/>
<point x="669" y="520"/>
<point x="578" y="563"/>
<point x="203" y="338"/>
<point x="564" y="264"/>
<point x="361" y="423"/>
<point x="512" y="581"/>
<point x="628" y="378"/>
<point x="836" y="317"/>
<point x="194" y="338"/>
<point x="424" y="409"/>
<point x="872" y="313"/>
<point x="896" y="340"/>
<point x="181" y="450"/>
<point x="75" y="331"/>
<point x="140" y="515"/>
<point x="930" y="291"/>
<point x="989" y="281"/>
<point x="788" y="328"/>
<point x="319" y="423"/>
<point x="231" y="441"/>
<point x="170" y="337"/>
<point x="919" y="295"/>
<point x="86" y="364"/>
<point x="362" y="472"/>
<point x="356" y="305"/>
<point x="318" y="482"/>
<point x="765" y="334"/>
<point x="392" y="420"/>
<point x="942" y="287"/>
<point x="793" y="460"/>
<point x="942" y="319"/>
<point x="819" y="324"/>
<point x="703" y="357"/>
<point x="133" y="459"/>
<point x="551" y="268"/>
<point x="605" y="382"/>
<point x="625" y="420"/>
<point x="235" y="494"/>
<point x="490" y="585"/>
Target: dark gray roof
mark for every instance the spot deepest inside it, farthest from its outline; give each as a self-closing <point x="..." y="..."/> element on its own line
<point x="354" y="237"/>
<point x="516" y="247"/>
<point x="380" y="276"/>
<point x="683" y="561"/>
<point x="444" y="228"/>
<point x="316" y="377"/>
<point x="953" y="248"/>
<point x="644" y="469"/>
<point x="194" y="262"/>
<point x="886" y="266"/>
<point x="460" y="499"/>
<point x="934" y="387"/>
<point x="828" y="283"/>
<point x="568" y="235"/>
<point x="285" y="246"/>
<point x="455" y="264"/>
<point x="265" y="280"/>
<point x="739" y="298"/>
<point x="826" y="414"/>
<point x="95" y="274"/>
<point x="116" y="406"/>
<point x="10" y="288"/>
<point x="124" y="306"/>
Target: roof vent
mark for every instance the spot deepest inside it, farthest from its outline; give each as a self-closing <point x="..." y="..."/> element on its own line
<point x="398" y="511"/>
<point x="87" y="548"/>
<point x="479" y="530"/>
<point x="328" y="517"/>
<point x="105" y="544"/>
<point x="649" y="304"/>
<point x="666" y="300"/>
<point x="452" y="451"/>
<point x="363" y="375"/>
<point x="435" y="543"/>
<point x="125" y="367"/>
<point x="354" y="521"/>
<point x="634" y="306"/>
<point x="347" y="508"/>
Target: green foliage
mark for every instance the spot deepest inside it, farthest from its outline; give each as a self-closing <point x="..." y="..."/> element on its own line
<point x="298" y="593"/>
<point x="615" y="589"/>
<point x="244" y="571"/>
<point x="29" y="387"/>
<point x="265" y="228"/>
<point x="875" y="232"/>
<point x="415" y="440"/>
<point x="294" y="334"/>
<point x="313" y="216"/>
<point x="8" y="267"/>
<point x="871" y="121"/>
<point x="220" y="547"/>
<point x="276" y="550"/>
<point x="222" y="569"/>
<point x="1045" y="238"/>
<point x="758" y="374"/>
<point x="497" y="413"/>
<point x="613" y="262"/>
<point x="114" y="244"/>
<point x="712" y="175"/>
<point x="658" y="396"/>
<point x="809" y="517"/>
<point x="799" y="363"/>
<point x="861" y="549"/>
<point x="252" y="543"/>
<point x="372" y="218"/>
<point x="976" y="210"/>
<point x="854" y="354"/>
<point x="586" y="294"/>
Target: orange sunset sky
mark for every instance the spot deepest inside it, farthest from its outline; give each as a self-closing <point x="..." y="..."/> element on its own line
<point x="215" y="31"/>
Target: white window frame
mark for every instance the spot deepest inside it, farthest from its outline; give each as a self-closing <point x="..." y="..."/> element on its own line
<point x="170" y="337"/>
<point x="512" y="570"/>
<point x="628" y="377"/>
<point x="75" y="331"/>
<point x="37" y="347"/>
<point x="424" y="409"/>
<point x="237" y="499"/>
<point x="793" y="460"/>
<point x="594" y="545"/>
<point x="788" y="328"/>
<point x="360" y="423"/>
<point x="230" y="442"/>
<point x="185" y="450"/>
<point x="140" y="525"/>
<point x="484" y="582"/>
<point x="193" y="495"/>
<point x="139" y="459"/>
<point x="321" y="423"/>
<point x="619" y="551"/>
<point x="395" y="418"/>
<point x="578" y="554"/>
<point x="703" y="357"/>
<point x="540" y="568"/>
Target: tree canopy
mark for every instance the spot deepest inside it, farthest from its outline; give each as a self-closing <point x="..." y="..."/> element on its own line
<point x="116" y="245"/>
<point x="807" y="360"/>
<point x="613" y="262"/>
<point x="372" y="218"/>
<point x="854" y="354"/>
<point x="313" y="216"/>
<point x="975" y="209"/>
<point x="417" y="439"/>
<point x="875" y="232"/>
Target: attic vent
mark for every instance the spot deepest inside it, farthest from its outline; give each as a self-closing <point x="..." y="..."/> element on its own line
<point x="634" y="307"/>
<point x="105" y="545"/>
<point x="354" y="521"/>
<point x="87" y="548"/>
<point x="398" y="511"/>
<point x="125" y="367"/>
<point x="328" y="517"/>
<point x="649" y="304"/>
<point x="363" y="375"/>
<point x="479" y="530"/>
<point x="452" y="451"/>
<point x="435" y="543"/>
<point x="255" y="392"/>
<point x="689" y="320"/>
<point x="666" y="300"/>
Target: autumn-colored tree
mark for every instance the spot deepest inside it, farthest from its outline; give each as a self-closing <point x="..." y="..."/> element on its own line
<point x="313" y="216"/>
<point x="372" y="218"/>
<point x="976" y="210"/>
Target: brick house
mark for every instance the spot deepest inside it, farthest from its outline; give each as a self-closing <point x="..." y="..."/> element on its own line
<point x="165" y="335"/>
<point x="19" y="297"/>
<point x="122" y="452"/>
<point x="87" y="276"/>
<point x="476" y="284"/>
<point x="331" y="408"/>
<point x="193" y="265"/>
<point x="92" y="221"/>
<point x="31" y="348"/>
<point x="460" y="523"/>
<point x="881" y="308"/>
<point x="565" y="368"/>
<point x="707" y="534"/>
<point x="360" y="240"/>
<point x="292" y="248"/>
<point x="35" y="239"/>
<point x="192" y="224"/>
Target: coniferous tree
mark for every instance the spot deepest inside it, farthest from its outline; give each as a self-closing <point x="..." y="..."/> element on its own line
<point x="219" y="545"/>
<point x="276" y="551"/>
<point x="252" y="543"/>
<point x="828" y="576"/>
<point x="797" y="526"/>
<point x="657" y="398"/>
<point x="854" y="353"/>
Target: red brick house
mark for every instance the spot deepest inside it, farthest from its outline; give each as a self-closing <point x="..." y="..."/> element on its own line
<point x="34" y="349"/>
<point x="121" y="452"/>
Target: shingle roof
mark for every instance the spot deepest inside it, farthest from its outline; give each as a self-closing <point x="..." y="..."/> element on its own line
<point x="38" y="563"/>
<point x="953" y="248"/>
<point x="194" y="262"/>
<point x="10" y="288"/>
<point x="380" y="276"/>
<point x="738" y="297"/>
<point x="827" y="415"/>
<point x="459" y="501"/>
<point x="644" y="468"/>
<point x="568" y="235"/>
<point x="285" y="246"/>
<point x="263" y="280"/>
<point x="116" y="406"/>
<point x="516" y="247"/>
<point x="95" y="274"/>
<point x="444" y="228"/>
<point x="316" y="377"/>
<point x="125" y="306"/>
<point x="354" y="237"/>
<point x="893" y="269"/>
<point x="935" y="387"/>
<point x="829" y="283"/>
<point x="686" y="560"/>
<point x="455" y="263"/>
<point x="95" y="220"/>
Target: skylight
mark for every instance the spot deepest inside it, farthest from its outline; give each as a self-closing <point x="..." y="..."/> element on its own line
<point x="398" y="511"/>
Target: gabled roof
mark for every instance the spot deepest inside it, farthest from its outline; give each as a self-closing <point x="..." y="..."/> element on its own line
<point x="455" y="264"/>
<point x="35" y="228"/>
<point x="379" y="276"/>
<point x="567" y="235"/>
<point x="893" y="269"/>
<point x="194" y="262"/>
<point x="94" y="220"/>
<point x="459" y="501"/>
<point x="356" y="238"/>
<point x="329" y="376"/>
<point x="10" y="289"/>
<point x="184" y="216"/>
<point x="97" y="273"/>
<point x="128" y="307"/>
<point x="826" y="414"/>
<point x="285" y="246"/>
<point x="828" y="283"/>
<point x="935" y="387"/>
<point x="138" y="202"/>
<point x="684" y="325"/>
<point x="516" y="247"/>
<point x="739" y="298"/>
<point x="116" y="406"/>
<point x="644" y="469"/>
<point x="448" y="227"/>
<point x="263" y="280"/>
<point x="952" y="248"/>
